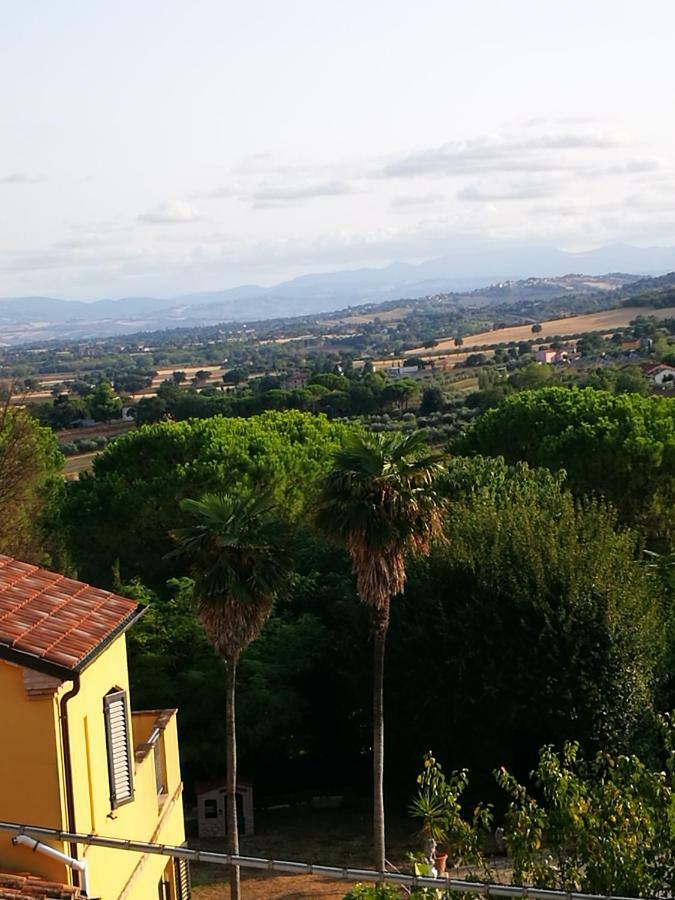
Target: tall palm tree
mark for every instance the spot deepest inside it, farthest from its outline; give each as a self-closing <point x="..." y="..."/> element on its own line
<point x="379" y="503"/>
<point x="238" y="565"/>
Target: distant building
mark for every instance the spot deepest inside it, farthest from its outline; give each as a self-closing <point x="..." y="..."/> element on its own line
<point x="548" y="355"/>
<point x="661" y="375"/>
<point x="402" y="371"/>
<point x="211" y="808"/>
<point x="413" y="372"/>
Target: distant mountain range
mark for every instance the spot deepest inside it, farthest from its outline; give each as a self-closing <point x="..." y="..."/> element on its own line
<point x="466" y="268"/>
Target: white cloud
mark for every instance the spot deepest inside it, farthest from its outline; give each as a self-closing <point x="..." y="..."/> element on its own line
<point x="285" y="193"/>
<point x="170" y="214"/>
<point x="219" y="193"/>
<point x="21" y="178"/>
<point x="545" y="152"/>
<point x="473" y="193"/>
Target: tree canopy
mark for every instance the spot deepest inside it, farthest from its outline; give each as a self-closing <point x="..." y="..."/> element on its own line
<point x="124" y="510"/>
<point x="534" y="620"/>
<point x="30" y="463"/>
<point x="620" y="446"/>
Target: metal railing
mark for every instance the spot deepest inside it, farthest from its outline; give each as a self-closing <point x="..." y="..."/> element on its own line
<point x="299" y="868"/>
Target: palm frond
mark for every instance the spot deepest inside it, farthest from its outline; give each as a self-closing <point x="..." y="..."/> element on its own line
<point x="378" y="502"/>
<point x="235" y="549"/>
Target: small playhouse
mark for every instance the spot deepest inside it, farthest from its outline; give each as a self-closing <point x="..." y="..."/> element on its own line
<point x="211" y="808"/>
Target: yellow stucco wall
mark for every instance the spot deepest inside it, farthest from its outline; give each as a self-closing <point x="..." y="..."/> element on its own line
<point x="34" y="754"/>
<point x="30" y="770"/>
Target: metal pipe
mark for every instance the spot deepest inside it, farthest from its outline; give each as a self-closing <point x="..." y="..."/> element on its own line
<point x="67" y="761"/>
<point x="277" y="865"/>
<point x="79" y="864"/>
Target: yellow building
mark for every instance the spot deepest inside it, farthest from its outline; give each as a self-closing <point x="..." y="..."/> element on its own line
<point x="72" y="754"/>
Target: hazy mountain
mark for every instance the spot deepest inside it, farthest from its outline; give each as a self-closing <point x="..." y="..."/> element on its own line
<point x="463" y="268"/>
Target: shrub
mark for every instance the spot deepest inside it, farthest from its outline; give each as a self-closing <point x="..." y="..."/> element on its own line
<point x="607" y="824"/>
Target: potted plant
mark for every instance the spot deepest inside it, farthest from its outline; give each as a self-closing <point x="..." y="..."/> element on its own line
<point x="438" y="804"/>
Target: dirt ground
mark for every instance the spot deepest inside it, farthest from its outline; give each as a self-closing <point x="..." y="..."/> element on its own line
<point x="328" y="837"/>
<point x="278" y="887"/>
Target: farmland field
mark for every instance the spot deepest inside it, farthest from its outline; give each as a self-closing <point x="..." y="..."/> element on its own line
<point x="600" y="321"/>
<point x="76" y="464"/>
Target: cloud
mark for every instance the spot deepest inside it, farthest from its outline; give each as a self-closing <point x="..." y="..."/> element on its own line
<point x="274" y="193"/>
<point x="219" y="193"/>
<point x="543" y="152"/>
<point x="412" y="201"/>
<point x="21" y="178"/>
<point x="472" y="193"/>
<point x="258" y="163"/>
<point x="283" y="194"/>
<point x="82" y="242"/>
<point x="169" y="214"/>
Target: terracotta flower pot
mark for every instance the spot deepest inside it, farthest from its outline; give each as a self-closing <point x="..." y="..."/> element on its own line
<point x="441" y="862"/>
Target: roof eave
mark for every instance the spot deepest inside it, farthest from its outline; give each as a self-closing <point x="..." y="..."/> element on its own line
<point x="120" y="629"/>
<point x="66" y="673"/>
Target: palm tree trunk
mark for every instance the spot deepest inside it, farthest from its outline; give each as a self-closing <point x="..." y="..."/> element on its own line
<point x="231" y="740"/>
<point x="379" y="641"/>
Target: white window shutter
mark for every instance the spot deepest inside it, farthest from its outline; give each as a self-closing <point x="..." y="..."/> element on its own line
<point x="120" y="772"/>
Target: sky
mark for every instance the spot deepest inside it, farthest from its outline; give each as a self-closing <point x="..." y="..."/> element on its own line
<point x="159" y="147"/>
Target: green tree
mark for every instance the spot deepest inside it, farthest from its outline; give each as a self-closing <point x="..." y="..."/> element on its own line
<point x="399" y="392"/>
<point x="535" y="621"/>
<point x="433" y="400"/>
<point x="418" y="361"/>
<point x="235" y="376"/>
<point x="533" y="375"/>
<point x="103" y="403"/>
<point x="150" y="409"/>
<point x="621" y="446"/>
<point x="379" y="502"/>
<point x="591" y="344"/>
<point x="607" y="823"/>
<point x="237" y="561"/>
<point x="130" y="382"/>
<point x="65" y="410"/>
<point x="30" y="464"/>
<point x="631" y="381"/>
<point x="125" y="508"/>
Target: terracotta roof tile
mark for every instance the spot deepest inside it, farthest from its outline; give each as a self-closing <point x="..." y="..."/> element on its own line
<point x="55" y="619"/>
<point x="23" y="886"/>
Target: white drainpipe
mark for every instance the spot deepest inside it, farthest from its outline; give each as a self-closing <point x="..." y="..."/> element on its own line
<point x="47" y="850"/>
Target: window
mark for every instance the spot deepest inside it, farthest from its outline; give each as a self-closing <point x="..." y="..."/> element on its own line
<point x="210" y="809"/>
<point x="118" y="740"/>
<point x="181" y="874"/>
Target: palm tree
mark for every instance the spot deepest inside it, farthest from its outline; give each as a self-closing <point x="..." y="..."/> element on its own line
<point x="238" y="566"/>
<point x="379" y="503"/>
